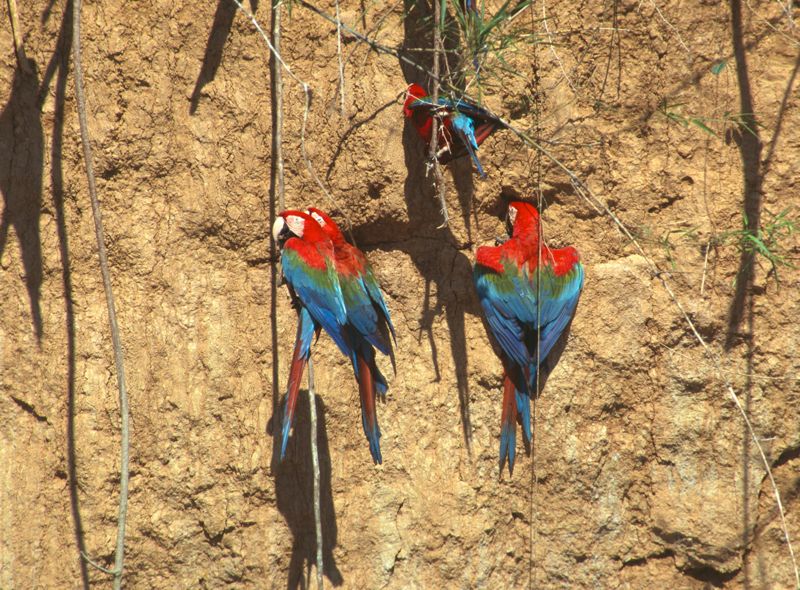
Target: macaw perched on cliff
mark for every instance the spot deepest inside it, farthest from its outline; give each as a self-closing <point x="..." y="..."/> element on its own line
<point x="528" y="302"/>
<point x="464" y="126"/>
<point x="310" y="267"/>
<point x="369" y="323"/>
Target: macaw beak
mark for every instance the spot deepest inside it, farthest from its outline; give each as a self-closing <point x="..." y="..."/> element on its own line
<point x="280" y="232"/>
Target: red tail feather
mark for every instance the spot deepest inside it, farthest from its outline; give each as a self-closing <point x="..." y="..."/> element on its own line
<point x="295" y="378"/>
<point x="508" y="424"/>
<point x="369" y="415"/>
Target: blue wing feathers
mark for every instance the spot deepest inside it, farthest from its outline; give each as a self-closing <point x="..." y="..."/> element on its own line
<point x="320" y="293"/>
<point x="353" y="312"/>
<point x="525" y="310"/>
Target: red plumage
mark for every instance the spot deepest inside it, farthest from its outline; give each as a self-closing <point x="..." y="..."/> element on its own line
<point x="451" y="144"/>
<point x="423" y="121"/>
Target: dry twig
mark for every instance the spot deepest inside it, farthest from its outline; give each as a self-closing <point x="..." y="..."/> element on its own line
<point x="308" y="96"/>
<point x="19" y="47"/>
<point x="434" y="147"/>
<point x="112" y="314"/>
<point x="312" y="410"/>
<point x="339" y="57"/>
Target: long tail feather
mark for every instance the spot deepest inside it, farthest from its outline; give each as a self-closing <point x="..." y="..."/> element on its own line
<point x="368" y="353"/>
<point x="473" y="155"/>
<point x="369" y="415"/>
<point x="524" y="390"/>
<point x="299" y="361"/>
<point x="302" y="348"/>
<point x="524" y="411"/>
<point x="508" y="428"/>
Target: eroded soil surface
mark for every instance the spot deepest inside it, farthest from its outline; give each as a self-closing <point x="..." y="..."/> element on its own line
<point x="642" y="474"/>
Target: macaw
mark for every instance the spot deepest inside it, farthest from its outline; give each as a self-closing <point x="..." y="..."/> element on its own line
<point x="464" y="126"/>
<point x="369" y="322"/>
<point x="310" y="267"/>
<point x="528" y="301"/>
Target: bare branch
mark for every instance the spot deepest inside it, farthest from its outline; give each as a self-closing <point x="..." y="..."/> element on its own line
<point x="339" y="57"/>
<point x="438" y="180"/>
<point x="19" y="47"/>
<point x="312" y="410"/>
<point x="112" y="314"/>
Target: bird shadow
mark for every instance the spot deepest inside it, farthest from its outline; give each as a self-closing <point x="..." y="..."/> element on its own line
<point x="23" y="201"/>
<point x="218" y="35"/>
<point x="294" y="483"/>
<point x="445" y="267"/>
<point x="21" y="170"/>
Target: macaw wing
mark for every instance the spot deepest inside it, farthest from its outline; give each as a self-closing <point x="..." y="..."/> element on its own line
<point x="511" y="301"/>
<point x="361" y="313"/>
<point x="445" y="104"/>
<point x="502" y="304"/>
<point x="458" y="149"/>
<point x="426" y="104"/>
<point x="559" y="300"/>
<point x="484" y="130"/>
<point x="465" y="130"/>
<point x="376" y="295"/>
<point x="478" y="114"/>
<point x="319" y="292"/>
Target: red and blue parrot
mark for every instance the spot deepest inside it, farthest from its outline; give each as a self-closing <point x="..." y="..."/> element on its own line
<point x="464" y="125"/>
<point x="334" y="288"/>
<point x="528" y="302"/>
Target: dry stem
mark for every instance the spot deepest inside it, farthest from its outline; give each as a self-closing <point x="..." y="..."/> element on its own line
<point x="277" y="136"/>
<point x="112" y="314"/>
<point x="312" y="410"/>
<point x="339" y="57"/>
<point x="434" y="147"/>
<point x="19" y="48"/>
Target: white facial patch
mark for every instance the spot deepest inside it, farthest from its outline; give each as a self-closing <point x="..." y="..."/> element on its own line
<point x="318" y="218"/>
<point x="296" y="225"/>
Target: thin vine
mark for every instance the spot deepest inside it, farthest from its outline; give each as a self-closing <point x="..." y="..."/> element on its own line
<point x="80" y="97"/>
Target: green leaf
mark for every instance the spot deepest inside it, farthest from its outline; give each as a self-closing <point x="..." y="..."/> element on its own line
<point x="699" y="123"/>
<point x="716" y="69"/>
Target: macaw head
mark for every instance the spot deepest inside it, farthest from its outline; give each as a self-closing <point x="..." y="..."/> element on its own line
<point x="327" y="224"/>
<point x="521" y="218"/>
<point x="413" y="92"/>
<point x="296" y="224"/>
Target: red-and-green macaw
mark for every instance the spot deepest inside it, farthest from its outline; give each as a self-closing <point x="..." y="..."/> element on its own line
<point x="464" y="125"/>
<point x="369" y="322"/>
<point x="528" y="302"/>
<point x="321" y="285"/>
